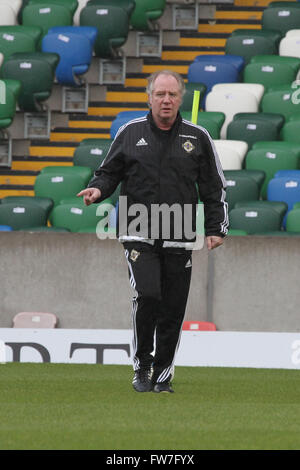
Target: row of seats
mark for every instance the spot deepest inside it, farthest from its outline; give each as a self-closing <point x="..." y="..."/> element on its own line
<point x="142" y="13"/>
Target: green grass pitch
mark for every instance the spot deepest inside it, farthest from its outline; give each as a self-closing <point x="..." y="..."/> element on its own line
<point x="87" y="406"/>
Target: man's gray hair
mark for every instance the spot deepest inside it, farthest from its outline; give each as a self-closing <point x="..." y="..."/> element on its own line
<point x="154" y="76"/>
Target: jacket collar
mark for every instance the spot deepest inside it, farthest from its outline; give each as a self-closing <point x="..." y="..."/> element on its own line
<point x="156" y="129"/>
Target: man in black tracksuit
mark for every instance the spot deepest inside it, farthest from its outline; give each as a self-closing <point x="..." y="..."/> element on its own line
<point x="165" y="164"/>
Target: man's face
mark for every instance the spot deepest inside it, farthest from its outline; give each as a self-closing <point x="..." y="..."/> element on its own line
<point x="165" y="99"/>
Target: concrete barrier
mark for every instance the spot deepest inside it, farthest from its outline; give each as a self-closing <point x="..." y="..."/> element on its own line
<point x="248" y="284"/>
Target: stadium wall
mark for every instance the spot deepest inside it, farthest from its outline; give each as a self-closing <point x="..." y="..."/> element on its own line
<point x="248" y="284"/>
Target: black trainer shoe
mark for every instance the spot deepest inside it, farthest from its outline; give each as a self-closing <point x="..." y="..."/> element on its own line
<point x="163" y="387"/>
<point x="142" y="380"/>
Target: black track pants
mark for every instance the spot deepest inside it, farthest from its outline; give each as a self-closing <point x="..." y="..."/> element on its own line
<point x="161" y="278"/>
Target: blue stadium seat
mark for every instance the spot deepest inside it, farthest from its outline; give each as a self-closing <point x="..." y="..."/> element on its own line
<point x="287" y="174"/>
<point x="236" y="60"/>
<point x="64" y="41"/>
<point x="285" y="189"/>
<point x="210" y="73"/>
<point x="122" y="118"/>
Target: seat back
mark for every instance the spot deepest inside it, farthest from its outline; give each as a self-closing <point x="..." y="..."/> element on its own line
<point x="289" y="46"/>
<point x="7" y="14"/>
<point x="83" y="171"/>
<point x="19" y="38"/>
<point x="270" y="162"/>
<point x="112" y="23"/>
<point x="58" y="185"/>
<point x="253" y="127"/>
<point x="122" y="118"/>
<point x="9" y="92"/>
<point x="293" y="221"/>
<point x="36" y="73"/>
<point x="290" y="129"/>
<point x="284" y="189"/>
<point x="35" y="320"/>
<point x="269" y="75"/>
<point x="44" y="202"/>
<point x="64" y="41"/>
<point x="146" y="14"/>
<point x="188" y="97"/>
<point x="91" y="154"/>
<point x="236" y="60"/>
<point x="249" y="44"/>
<point x="23" y="215"/>
<point x="207" y="120"/>
<point x="254" y="220"/>
<point x="75" y="217"/>
<point x="240" y="188"/>
<point x="280" y="99"/>
<point x="281" y="16"/>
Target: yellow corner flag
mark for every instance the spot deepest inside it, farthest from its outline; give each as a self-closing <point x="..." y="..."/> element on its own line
<point x="195" y="107"/>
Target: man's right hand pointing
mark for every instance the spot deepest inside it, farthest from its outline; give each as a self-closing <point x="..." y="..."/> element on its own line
<point x="90" y="195"/>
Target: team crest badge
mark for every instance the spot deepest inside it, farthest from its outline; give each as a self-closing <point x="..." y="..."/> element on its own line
<point x="188" y="146"/>
<point x="134" y="255"/>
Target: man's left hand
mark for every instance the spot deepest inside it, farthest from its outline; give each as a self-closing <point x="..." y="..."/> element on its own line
<point x="213" y="242"/>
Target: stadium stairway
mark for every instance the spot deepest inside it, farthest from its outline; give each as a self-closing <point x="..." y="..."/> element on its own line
<point x="210" y="38"/>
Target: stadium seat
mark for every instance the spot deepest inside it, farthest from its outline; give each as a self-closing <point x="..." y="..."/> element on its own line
<point x="83" y="171"/>
<point x="146" y="14"/>
<point x="44" y="202"/>
<point x="281" y="100"/>
<point x="240" y="188"/>
<point x="254" y="127"/>
<point x="5" y="228"/>
<point x="270" y="159"/>
<point x="211" y="121"/>
<point x="91" y="154"/>
<point x="287" y="173"/>
<point x="236" y="146"/>
<point x="289" y="46"/>
<point x="254" y="220"/>
<point x="290" y="131"/>
<point x="188" y="97"/>
<point x="35" y="320"/>
<point x="270" y="74"/>
<point x="236" y="60"/>
<point x="58" y="186"/>
<point x="210" y="73"/>
<point x="76" y="217"/>
<point x="8" y="15"/>
<point x="64" y="41"/>
<point x="23" y="215"/>
<point x="76" y="17"/>
<point x="112" y="23"/>
<point x="122" y="118"/>
<point x="10" y="91"/>
<point x="248" y="43"/>
<point x="36" y="73"/>
<point x="278" y="206"/>
<point x="284" y="189"/>
<point x="271" y="60"/>
<point x="257" y="175"/>
<point x="46" y="15"/>
<point x="198" y="326"/>
<point x="232" y="99"/>
<point x="19" y="38"/>
<point x="281" y="16"/>
<point x="293" y="221"/>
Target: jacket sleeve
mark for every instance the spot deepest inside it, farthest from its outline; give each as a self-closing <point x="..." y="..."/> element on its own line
<point x="212" y="190"/>
<point x="111" y="171"/>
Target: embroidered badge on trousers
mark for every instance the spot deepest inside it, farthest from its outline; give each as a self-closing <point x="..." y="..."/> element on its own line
<point x="134" y="254"/>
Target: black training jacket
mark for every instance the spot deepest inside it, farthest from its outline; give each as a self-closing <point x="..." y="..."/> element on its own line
<point x="158" y="167"/>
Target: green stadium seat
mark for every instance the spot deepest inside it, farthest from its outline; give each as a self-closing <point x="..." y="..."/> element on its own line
<point x="254" y="127"/>
<point x="75" y="217"/>
<point x="270" y="74"/>
<point x="128" y="5"/>
<point x="146" y="14"/>
<point x="249" y="43"/>
<point x="46" y="15"/>
<point x="188" y="97"/>
<point x="271" y="159"/>
<point x="293" y="220"/>
<point x="290" y="131"/>
<point x="36" y="72"/>
<point x="58" y="186"/>
<point x="19" y="216"/>
<point x="91" y="152"/>
<point x="281" y="100"/>
<point x="280" y="207"/>
<point x="240" y="188"/>
<point x="44" y="202"/>
<point x="9" y="93"/>
<point x="254" y="220"/>
<point x="19" y="38"/>
<point x="236" y="233"/>
<point x="257" y="175"/>
<point x="281" y="16"/>
<point x="211" y="121"/>
<point x="83" y="171"/>
<point x="265" y="59"/>
<point x="112" y="22"/>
